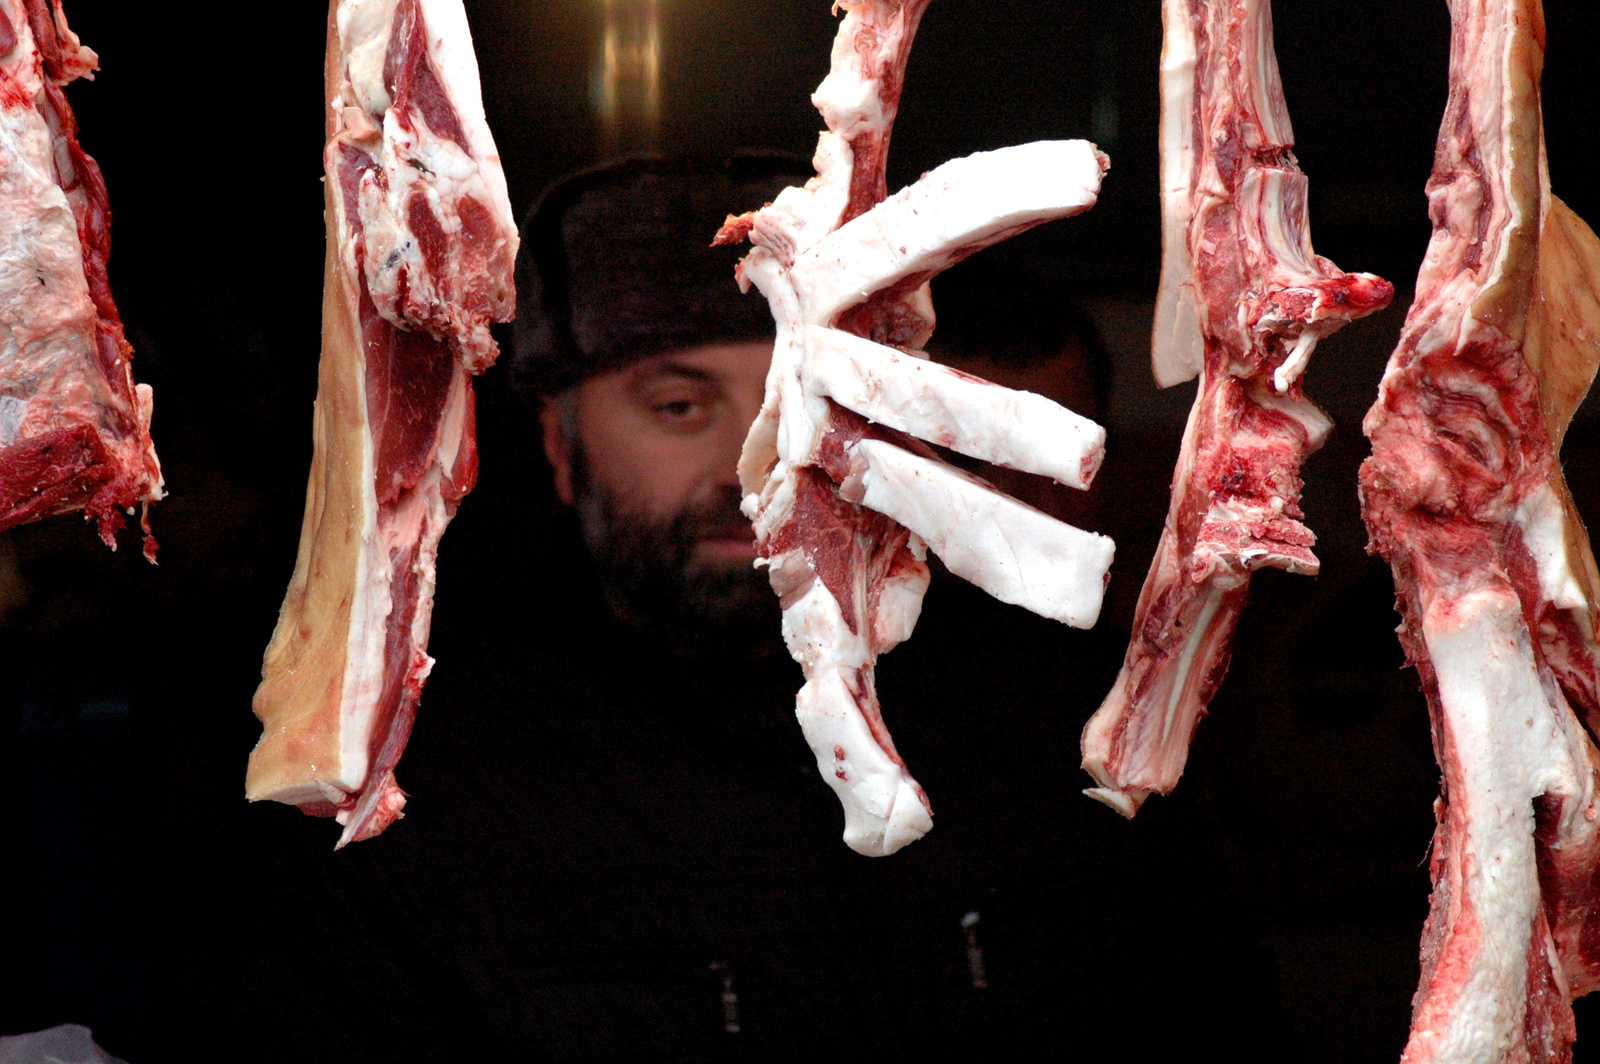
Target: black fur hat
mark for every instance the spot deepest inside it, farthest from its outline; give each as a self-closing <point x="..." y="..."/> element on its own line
<point x="616" y="264"/>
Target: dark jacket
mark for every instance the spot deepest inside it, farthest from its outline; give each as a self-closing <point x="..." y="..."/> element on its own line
<point x="615" y="853"/>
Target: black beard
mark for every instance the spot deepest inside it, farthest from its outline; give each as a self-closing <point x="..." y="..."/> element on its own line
<point x="650" y="579"/>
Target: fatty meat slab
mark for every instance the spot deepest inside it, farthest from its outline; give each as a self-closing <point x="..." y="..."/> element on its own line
<point x="844" y="497"/>
<point x="420" y="250"/>
<point x="1242" y="303"/>
<point x="74" y="428"/>
<point x="1494" y="576"/>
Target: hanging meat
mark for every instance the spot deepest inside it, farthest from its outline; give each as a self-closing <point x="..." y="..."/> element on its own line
<point x="420" y="250"/>
<point x="1493" y="572"/>
<point x="74" y="428"/>
<point x="844" y="497"/>
<point x="1242" y="303"/>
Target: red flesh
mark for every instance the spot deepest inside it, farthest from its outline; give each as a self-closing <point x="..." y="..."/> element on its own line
<point x="98" y="458"/>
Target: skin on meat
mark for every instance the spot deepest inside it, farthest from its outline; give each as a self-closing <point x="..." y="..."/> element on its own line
<point x="421" y="245"/>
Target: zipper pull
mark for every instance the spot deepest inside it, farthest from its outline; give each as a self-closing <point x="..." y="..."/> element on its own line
<point x="980" y="976"/>
<point x="730" y="997"/>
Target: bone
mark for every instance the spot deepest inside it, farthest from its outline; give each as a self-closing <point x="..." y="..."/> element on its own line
<point x="1009" y="549"/>
<point x="970" y="416"/>
<point x="954" y="210"/>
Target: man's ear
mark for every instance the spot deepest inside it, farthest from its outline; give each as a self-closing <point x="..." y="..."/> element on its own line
<point x="557" y="447"/>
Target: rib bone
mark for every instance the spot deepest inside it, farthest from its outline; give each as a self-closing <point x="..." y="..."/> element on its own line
<point x="843" y="496"/>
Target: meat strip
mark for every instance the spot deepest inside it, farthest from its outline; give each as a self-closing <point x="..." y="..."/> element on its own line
<point x="1242" y="303"/>
<point x="1495" y="580"/>
<point x="421" y="245"/>
<point x="74" y="428"/>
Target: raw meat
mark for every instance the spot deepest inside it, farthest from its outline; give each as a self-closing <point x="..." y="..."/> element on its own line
<point x="74" y="428"/>
<point x="844" y="497"/>
<point x="1243" y="301"/>
<point x="421" y="245"/>
<point x="1495" y="579"/>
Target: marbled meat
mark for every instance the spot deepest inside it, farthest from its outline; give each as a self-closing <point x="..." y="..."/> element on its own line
<point x="74" y="428"/>
<point x="421" y="245"/>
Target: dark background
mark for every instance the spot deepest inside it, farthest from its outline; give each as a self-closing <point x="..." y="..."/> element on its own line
<point x="127" y="857"/>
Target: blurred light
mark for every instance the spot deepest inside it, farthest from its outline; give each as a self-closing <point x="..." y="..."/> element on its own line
<point x="625" y="86"/>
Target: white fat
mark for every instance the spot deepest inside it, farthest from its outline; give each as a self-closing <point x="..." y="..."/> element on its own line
<point x="452" y="424"/>
<point x="308" y="792"/>
<point x="985" y="421"/>
<point x="882" y="809"/>
<point x="369" y="613"/>
<point x="817" y="636"/>
<point x="1125" y="802"/>
<point x="1543" y="521"/>
<point x="49" y="358"/>
<point x="1177" y="346"/>
<point x="849" y="105"/>
<point x="772" y="507"/>
<point x="364" y="36"/>
<point x="1505" y="744"/>
<point x="974" y="200"/>
<point x="1316" y="424"/>
<point x="810" y="272"/>
<point x="848" y="98"/>
<point x="1011" y="550"/>
<point x="829" y="192"/>
<point x="900" y="601"/>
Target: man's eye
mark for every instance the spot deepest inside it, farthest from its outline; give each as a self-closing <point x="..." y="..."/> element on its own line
<point x="682" y="413"/>
<point x="678" y="409"/>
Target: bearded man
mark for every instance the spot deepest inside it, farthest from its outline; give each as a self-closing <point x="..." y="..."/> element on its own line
<point x="617" y="846"/>
<point x="652" y="366"/>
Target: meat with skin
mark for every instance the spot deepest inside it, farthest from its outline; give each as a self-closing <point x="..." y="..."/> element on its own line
<point x="421" y="245"/>
<point x="844" y="497"/>
<point x="74" y="428"/>
<point x="1495" y="580"/>
<point x="1242" y="303"/>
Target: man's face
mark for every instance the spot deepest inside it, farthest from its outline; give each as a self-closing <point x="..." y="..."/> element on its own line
<point x="647" y="455"/>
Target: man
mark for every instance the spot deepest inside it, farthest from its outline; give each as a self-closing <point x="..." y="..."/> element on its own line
<point x="618" y="847"/>
<point x="651" y="366"/>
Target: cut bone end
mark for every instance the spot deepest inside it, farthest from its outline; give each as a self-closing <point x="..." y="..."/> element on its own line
<point x="1125" y="802"/>
<point x="908" y="821"/>
<point x="1007" y="548"/>
<point x="884" y="808"/>
<point x="378" y="808"/>
<point x="1019" y="430"/>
